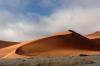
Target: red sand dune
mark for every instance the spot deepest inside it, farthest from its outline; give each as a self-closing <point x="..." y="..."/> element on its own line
<point x="61" y="41"/>
<point x="95" y="37"/>
<point x="4" y="44"/>
<point x="9" y="52"/>
<point x="67" y="43"/>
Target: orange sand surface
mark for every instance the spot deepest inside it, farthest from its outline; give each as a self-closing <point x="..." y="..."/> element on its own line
<point x="68" y="43"/>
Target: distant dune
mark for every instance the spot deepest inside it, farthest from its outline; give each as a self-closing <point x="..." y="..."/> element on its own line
<point x="68" y="43"/>
<point x="4" y="44"/>
<point x="95" y="37"/>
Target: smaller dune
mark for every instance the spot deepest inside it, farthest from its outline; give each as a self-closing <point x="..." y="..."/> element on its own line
<point x="4" y="44"/>
<point x="9" y="52"/>
<point x="4" y="47"/>
<point x="95" y="37"/>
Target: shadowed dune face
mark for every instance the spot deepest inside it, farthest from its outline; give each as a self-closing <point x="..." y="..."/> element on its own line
<point x="4" y="44"/>
<point x="97" y="40"/>
<point x="60" y="41"/>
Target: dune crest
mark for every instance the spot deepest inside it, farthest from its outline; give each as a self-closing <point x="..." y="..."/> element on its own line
<point x="67" y="43"/>
<point x="59" y="44"/>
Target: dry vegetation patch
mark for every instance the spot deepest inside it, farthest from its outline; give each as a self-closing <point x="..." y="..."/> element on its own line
<point x="47" y="61"/>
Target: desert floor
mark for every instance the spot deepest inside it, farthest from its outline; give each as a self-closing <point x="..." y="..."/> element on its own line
<point x="53" y="61"/>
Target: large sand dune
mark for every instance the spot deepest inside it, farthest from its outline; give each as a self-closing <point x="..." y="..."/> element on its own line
<point x="57" y="44"/>
<point x="67" y="43"/>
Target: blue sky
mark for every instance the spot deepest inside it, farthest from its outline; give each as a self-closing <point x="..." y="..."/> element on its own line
<point x="42" y="7"/>
<point x="22" y="20"/>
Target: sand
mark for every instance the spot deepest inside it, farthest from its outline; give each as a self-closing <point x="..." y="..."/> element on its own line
<point x="4" y="44"/>
<point x="68" y="43"/>
<point x="95" y="37"/>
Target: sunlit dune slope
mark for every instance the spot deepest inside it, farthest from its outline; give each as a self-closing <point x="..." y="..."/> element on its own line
<point x="59" y="44"/>
<point x="9" y="52"/>
<point x="5" y="47"/>
<point x="4" y="44"/>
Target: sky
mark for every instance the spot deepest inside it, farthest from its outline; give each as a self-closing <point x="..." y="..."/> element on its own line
<point x="22" y="20"/>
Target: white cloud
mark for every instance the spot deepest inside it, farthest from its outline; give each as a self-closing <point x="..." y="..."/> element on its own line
<point x="81" y="20"/>
<point x="23" y="27"/>
<point x="17" y="27"/>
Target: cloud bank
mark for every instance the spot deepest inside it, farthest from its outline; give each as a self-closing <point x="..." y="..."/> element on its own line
<point x="78" y="15"/>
